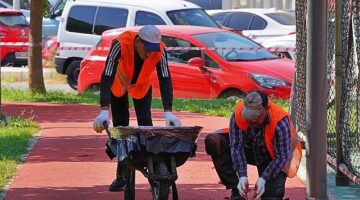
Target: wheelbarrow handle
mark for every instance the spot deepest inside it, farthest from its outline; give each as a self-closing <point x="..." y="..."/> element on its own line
<point x="106" y="127"/>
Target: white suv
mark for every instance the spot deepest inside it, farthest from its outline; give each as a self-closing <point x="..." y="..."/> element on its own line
<point x="83" y="21"/>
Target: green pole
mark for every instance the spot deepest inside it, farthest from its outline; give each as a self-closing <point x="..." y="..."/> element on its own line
<point x="2" y="116"/>
<point x="340" y="179"/>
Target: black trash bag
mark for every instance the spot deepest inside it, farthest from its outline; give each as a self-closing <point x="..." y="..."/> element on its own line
<point x="162" y="143"/>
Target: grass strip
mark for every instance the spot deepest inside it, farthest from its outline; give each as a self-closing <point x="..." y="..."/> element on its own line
<point x="14" y="140"/>
<point x="214" y="107"/>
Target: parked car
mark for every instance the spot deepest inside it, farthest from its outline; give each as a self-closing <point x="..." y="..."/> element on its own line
<point x="49" y="51"/>
<point x="3" y="4"/>
<point x="207" y="4"/>
<point x="228" y="67"/>
<point x="290" y="11"/>
<point x="50" y="23"/>
<point x="13" y="28"/>
<point x="258" y="24"/>
<point x="286" y="44"/>
<point x="83" y="21"/>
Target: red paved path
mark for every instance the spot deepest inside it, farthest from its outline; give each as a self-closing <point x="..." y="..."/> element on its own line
<point x="68" y="161"/>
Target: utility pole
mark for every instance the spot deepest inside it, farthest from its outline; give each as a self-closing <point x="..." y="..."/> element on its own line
<point x="316" y="87"/>
<point x="226" y="4"/>
<point x="16" y="4"/>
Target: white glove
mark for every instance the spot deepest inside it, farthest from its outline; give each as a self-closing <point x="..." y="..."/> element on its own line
<point x="259" y="188"/>
<point x="171" y="119"/>
<point x="243" y="186"/>
<point x="100" y="119"/>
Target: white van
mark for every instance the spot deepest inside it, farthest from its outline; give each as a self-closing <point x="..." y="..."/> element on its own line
<point x="83" y="21"/>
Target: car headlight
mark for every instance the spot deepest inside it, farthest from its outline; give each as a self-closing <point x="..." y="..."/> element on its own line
<point x="268" y="81"/>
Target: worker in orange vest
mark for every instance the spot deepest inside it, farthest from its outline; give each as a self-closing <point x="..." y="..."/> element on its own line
<point x="129" y="69"/>
<point x="261" y="134"/>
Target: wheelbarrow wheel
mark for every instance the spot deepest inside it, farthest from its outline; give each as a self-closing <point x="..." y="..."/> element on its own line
<point x="160" y="188"/>
<point x="129" y="193"/>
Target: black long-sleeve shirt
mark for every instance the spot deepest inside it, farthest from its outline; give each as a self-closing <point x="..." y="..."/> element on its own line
<point x="108" y="75"/>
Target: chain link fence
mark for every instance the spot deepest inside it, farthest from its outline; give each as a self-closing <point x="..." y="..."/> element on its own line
<point x="349" y="120"/>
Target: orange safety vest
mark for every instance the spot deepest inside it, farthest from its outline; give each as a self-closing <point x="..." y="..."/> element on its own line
<point x="125" y="69"/>
<point x="276" y="113"/>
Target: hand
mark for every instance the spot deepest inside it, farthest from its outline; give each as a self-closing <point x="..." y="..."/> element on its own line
<point x="100" y="119"/>
<point x="170" y="118"/>
<point x="243" y="186"/>
<point x="259" y="188"/>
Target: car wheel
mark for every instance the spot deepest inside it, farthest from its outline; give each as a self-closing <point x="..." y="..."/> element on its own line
<point x="72" y="73"/>
<point x="233" y="95"/>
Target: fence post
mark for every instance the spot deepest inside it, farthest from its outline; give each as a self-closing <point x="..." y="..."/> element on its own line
<point x="316" y="84"/>
<point x="340" y="179"/>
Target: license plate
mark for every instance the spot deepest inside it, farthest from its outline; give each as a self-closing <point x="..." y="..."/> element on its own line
<point x="21" y="54"/>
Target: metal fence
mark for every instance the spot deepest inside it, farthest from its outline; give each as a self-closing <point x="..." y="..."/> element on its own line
<point x="348" y="97"/>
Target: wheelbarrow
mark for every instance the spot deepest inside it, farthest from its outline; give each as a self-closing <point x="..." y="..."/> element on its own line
<point x="154" y="151"/>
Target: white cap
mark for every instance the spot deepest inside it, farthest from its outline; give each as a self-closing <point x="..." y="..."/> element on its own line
<point x="151" y="37"/>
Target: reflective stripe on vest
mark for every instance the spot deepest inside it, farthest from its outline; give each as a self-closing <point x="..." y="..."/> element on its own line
<point x="125" y="68"/>
<point x="276" y="113"/>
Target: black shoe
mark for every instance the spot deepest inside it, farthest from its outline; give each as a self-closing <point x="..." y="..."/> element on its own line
<point x="117" y="185"/>
<point x="235" y="195"/>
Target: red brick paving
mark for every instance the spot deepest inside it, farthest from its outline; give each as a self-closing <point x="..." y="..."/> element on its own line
<point x="68" y="161"/>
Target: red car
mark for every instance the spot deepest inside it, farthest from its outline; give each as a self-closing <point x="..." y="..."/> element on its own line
<point x="207" y="63"/>
<point x="48" y="51"/>
<point x="13" y="28"/>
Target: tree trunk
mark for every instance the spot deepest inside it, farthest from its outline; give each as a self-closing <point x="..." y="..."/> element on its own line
<point x="36" y="78"/>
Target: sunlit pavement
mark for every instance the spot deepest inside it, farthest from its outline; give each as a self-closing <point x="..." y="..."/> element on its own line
<point x="68" y="161"/>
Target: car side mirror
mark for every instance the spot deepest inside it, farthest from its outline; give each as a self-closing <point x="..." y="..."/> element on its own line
<point x="196" y="62"/>
<point x="52" y="15"/>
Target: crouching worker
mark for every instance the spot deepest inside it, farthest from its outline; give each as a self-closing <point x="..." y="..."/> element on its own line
<point x="260" y="134"/>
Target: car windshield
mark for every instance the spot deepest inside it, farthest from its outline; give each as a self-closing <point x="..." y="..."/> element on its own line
<point x="13" y="20"/>
<point x="233" y="47"/>
<point x="195" y="17"/>
<point x="282" y="18"/>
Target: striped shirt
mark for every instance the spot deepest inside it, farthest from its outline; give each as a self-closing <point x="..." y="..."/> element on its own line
<point x="108" y="76"/>
<point x="255" y="142"/>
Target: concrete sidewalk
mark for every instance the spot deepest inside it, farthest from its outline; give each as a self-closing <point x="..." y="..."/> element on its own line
<point x="68" y="161"/>
<point x="17" y="78"/>
<point x="22" y="73"/>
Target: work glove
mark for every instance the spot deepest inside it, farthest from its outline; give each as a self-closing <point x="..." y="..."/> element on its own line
<point x="259" y="188"/>
<point x="171" y="120"/>
<point x="243" y="186"/>
<point x="100" y="119"/>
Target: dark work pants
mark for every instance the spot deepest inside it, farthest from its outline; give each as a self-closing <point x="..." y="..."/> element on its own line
<point x="120" y="110"/>
<point x="120" y="116"/>
<point x="217" y="145"/>
<point x="275" y="187"/>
